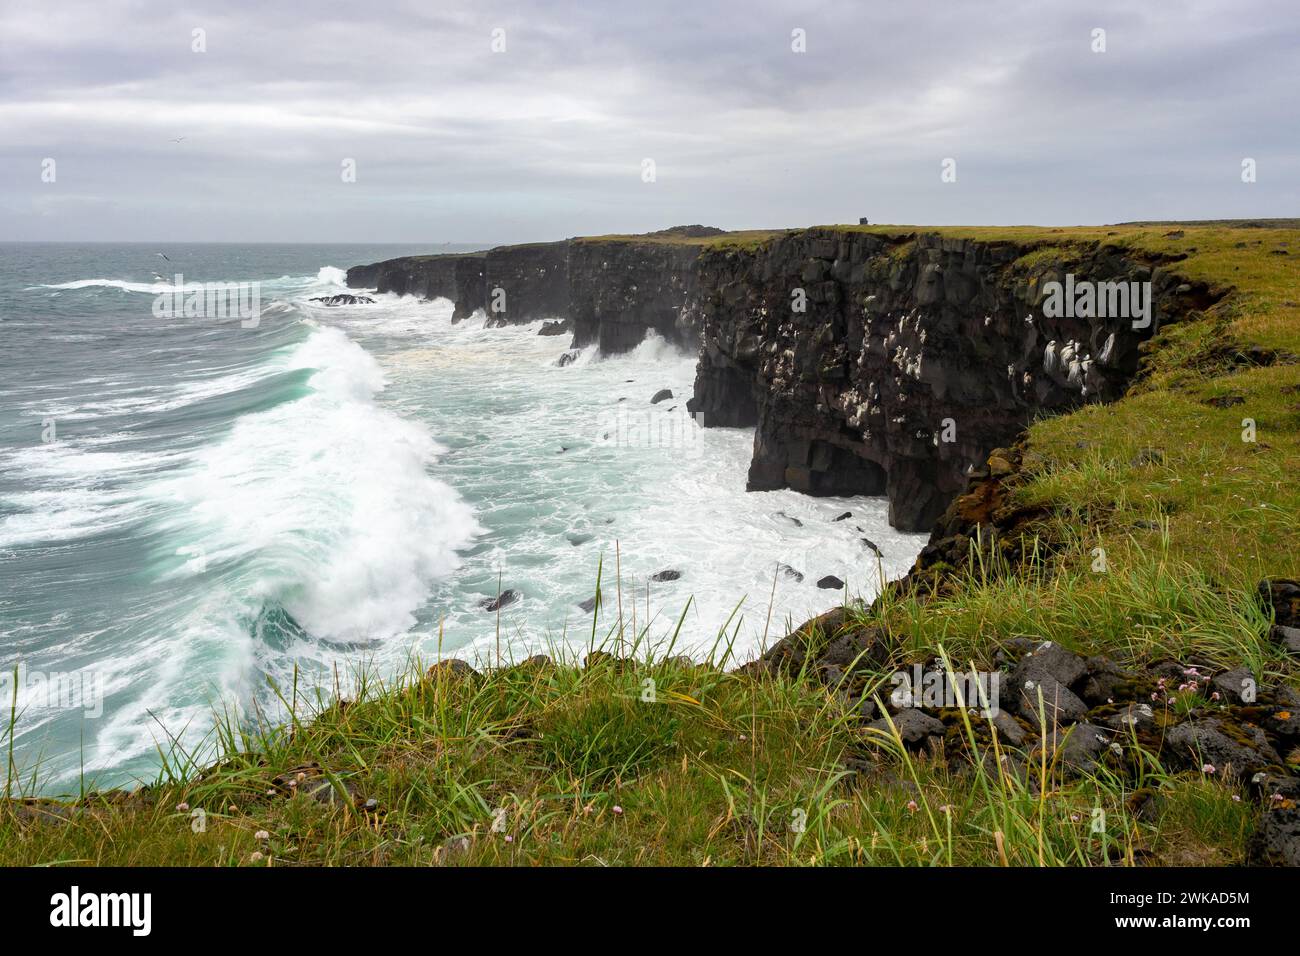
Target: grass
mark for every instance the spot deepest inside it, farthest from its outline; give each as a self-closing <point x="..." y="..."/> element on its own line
<point x="664" y="762"/>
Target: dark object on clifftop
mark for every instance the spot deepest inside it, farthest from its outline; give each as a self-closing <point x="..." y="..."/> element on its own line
<point x="662" y="395"/>
<point x="831" y="583"/>
<point x="862" y="221"/>
<point x="555" y="328"/>
<point x="344" y="298"/>
<point x="504" y="599"/>
<point x="668" y="575"/>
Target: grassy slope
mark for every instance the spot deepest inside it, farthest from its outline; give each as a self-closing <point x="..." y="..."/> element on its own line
<point x="566" y="765"/>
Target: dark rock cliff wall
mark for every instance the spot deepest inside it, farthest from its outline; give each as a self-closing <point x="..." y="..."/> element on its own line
<point x="525" y="283"/>
<point x="460" y="278"/>
<point x="913" y="359"/>
<point x="613" y="291"/>
<point x="618" y="290"/>
<point x="868" y="363"/>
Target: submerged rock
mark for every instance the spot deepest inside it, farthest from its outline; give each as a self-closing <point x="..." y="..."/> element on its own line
<point x="831" y="583"/>
<point x="666" y="575"/>
<point x="554" y="328"/>
<point x="344" y="298"/>
<point x="789" y="572"/>
<point x="662" y="395"/>
<point x="504" y="599"/>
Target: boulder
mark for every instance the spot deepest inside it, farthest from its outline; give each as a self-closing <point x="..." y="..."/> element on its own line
<point x="831" y="583"/>
<point x="662" y="395"/>
<point x="504" y="599"/>
<point x="1276" y="841"/>
<point x="786" y="571"/>
<point x="344" y="298"/>
<point x="1231" y="749"/>
<point x="1235" y="686"/>
<point x="1134" y="718"/>
<point x="914" y="727"/>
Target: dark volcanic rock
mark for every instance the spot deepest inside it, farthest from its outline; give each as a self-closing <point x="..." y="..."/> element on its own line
<point x="1049" y="669"/>
<point x="914" y="727"/>
<point x="554" y="328"/>
<point x="1282" y="596"/>
<point x="1235" y="686"/>
<point x="344" y="298"/>
<point x="1232" y="749"/>
<point x="451" y="667"/>
<point x="1052" y="660"/>
<point x="1133" y="718"/>
<point x="662" y="395"/>
<point x="833" y="638"/>
<point x="878" y="364"/>
<point x="790" y="572"/>
<point x="831" y="583"/>
<point x="1276" y="841"/>
<point x="1060" y="705"/>
<point x="1288" y="638"/>
<point x="1080" y="747"/>
<point x="504" y="599"/>
<point x="666" y="575"/>
<point x="869" y="363"/>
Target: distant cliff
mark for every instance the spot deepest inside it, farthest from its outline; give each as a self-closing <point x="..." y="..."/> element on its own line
<point x="613" y="290"/>
<point x="869" y="361"/>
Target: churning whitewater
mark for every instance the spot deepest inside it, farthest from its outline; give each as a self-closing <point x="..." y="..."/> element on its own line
<point x="193" y="514"/>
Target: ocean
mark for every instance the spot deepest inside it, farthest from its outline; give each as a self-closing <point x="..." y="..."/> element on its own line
<point x="197" y="512"/>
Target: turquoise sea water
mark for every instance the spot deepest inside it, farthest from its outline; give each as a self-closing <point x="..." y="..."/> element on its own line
<point x="189" y="507"/>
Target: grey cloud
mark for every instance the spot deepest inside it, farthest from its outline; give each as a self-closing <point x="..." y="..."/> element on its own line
<point x="456" y="143"/>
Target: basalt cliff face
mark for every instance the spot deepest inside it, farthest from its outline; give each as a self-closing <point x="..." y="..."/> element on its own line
<point x="612" y="291"/>
<point x="885" y="364"/>
<point x="868" y="362"/>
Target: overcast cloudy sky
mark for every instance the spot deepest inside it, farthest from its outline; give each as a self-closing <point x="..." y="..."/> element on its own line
<point x="455" y="142"/>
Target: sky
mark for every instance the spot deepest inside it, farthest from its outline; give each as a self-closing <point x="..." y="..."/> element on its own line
<point x="484" y="122"/>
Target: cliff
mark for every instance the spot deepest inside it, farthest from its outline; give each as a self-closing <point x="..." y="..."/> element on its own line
<point x="613" y="290"/>
<point x="894" y="363"/>
<point x="870" y="361"/>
